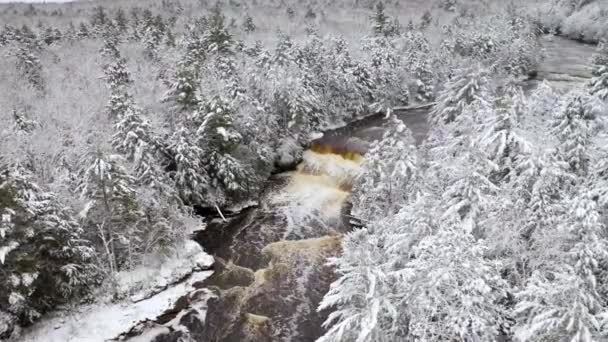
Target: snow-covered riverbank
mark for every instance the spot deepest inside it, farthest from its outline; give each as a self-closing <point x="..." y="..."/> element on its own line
<point x="106" y="320"/>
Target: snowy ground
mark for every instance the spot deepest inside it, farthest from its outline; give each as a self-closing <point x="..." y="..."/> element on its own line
<point x="106" y="320"/>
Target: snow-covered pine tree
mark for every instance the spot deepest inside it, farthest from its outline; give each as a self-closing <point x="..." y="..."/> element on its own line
<point x="467" y="86"/>
<point x="28" y="63"/>
<point x="217" y="39"/>
<point x="362" y="299"/>
<point x="599" y="82"/>
<point x="44" y="257"/>
<point x="450" y="290"/>
<point x="248" y="24"/>
<point x="560" y="301"/>
<point x="459" y="171"/>
<point x="122" y="23"/>
<point x="153" y="34"/>
<point x="111" y="42"/>
<point x="117" y="77"/>
<point x="291" y="13"/>
<point x="388" y="74"/>
<point x="111" y="207"/>
<point x="380" y="19"/>
<point x="135" y="23"/>
<point x="389" y="175"/>
<point x="219" y="138"/>
<point x="183" y="89"/>
<point x="70" y="33"/>
<point x="572" y="124"/>
<point x="26" y="35"/>
<point x="310" y="13"/>
<point x="501" y="139"/>
<point x="170" y="39"/>
<point x="469" y="194"/>
<point x="135" y="140"/>
<point x="425" y="79"/>
<point x="190" y="176"/>
<point x="284" y="51"/>
<point x="425" y="20"/>
<point x="83" y="31"/>
<point x="194" y="44"/>
<point x="51" y="35"/>
<point x="99" y="19"/>
<point x="539" y="188"/>
<point x="23" y="123"/>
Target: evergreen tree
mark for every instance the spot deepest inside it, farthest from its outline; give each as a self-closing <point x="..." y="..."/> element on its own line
<point x="135" y="140"/>
<point x="390" y="172"/>
<point x="191" y="180"/>
<point x="469" y="193"/>
<point x="426" y="20"/>
<point x="572" y="126"/>
<point x="310" y="14"/>
<point x="219" y="138"/>
<point x="27" y="36"/>
<point x="122" y="23"/>
<point x="248" y="25"/>
<point x="50" y="36"/>
<point x="135" y="23"/>
<point x="111" y="41"/>
<point x="154" y="32"/>
<point x="170" y="39"/>
<point x="284" y="51"/>
<point x="425" y="78"/>
<point x="83" y="31"/>
<point x="380" y="20"/>
<point x="599" y="82"/>
<point x="217" y="39"/>
<point x="291" y="13"/>
<point x="111" y="208"/>
<point x="561" y="301"/>
<point x="183" y="92"/>
<point x="44" y="257"/>
<point x="28" y="63"/>
<point x="501" y="140"/>
<point x="23" y="123"/>
<point x="117" y="77"/>
<point x="451" y="290"/>
<point x="195" y="47"/>
<point x="362" y="298"/>
<point x="98" y="19"/>
<point x="466" y="86"/>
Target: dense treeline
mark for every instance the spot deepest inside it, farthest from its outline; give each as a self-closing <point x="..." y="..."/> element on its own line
<point x="494" y="227"/>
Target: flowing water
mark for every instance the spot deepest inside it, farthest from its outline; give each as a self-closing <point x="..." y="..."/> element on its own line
<point x="271" y="270"/>
<point x="566" y="62"/>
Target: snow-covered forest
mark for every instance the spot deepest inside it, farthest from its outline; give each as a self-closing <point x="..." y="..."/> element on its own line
<point x="128" y="127"/>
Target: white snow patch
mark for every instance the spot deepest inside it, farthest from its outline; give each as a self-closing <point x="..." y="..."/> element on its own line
<point x="144" y="282"/>
<point x="316" y="135"/>
<point x="146" y="291"/>
<point x="101" y="322"/>
<point x="4" y="250"/>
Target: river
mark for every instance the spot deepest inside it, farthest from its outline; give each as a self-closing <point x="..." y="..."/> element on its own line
<point x="270" y="271"/>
